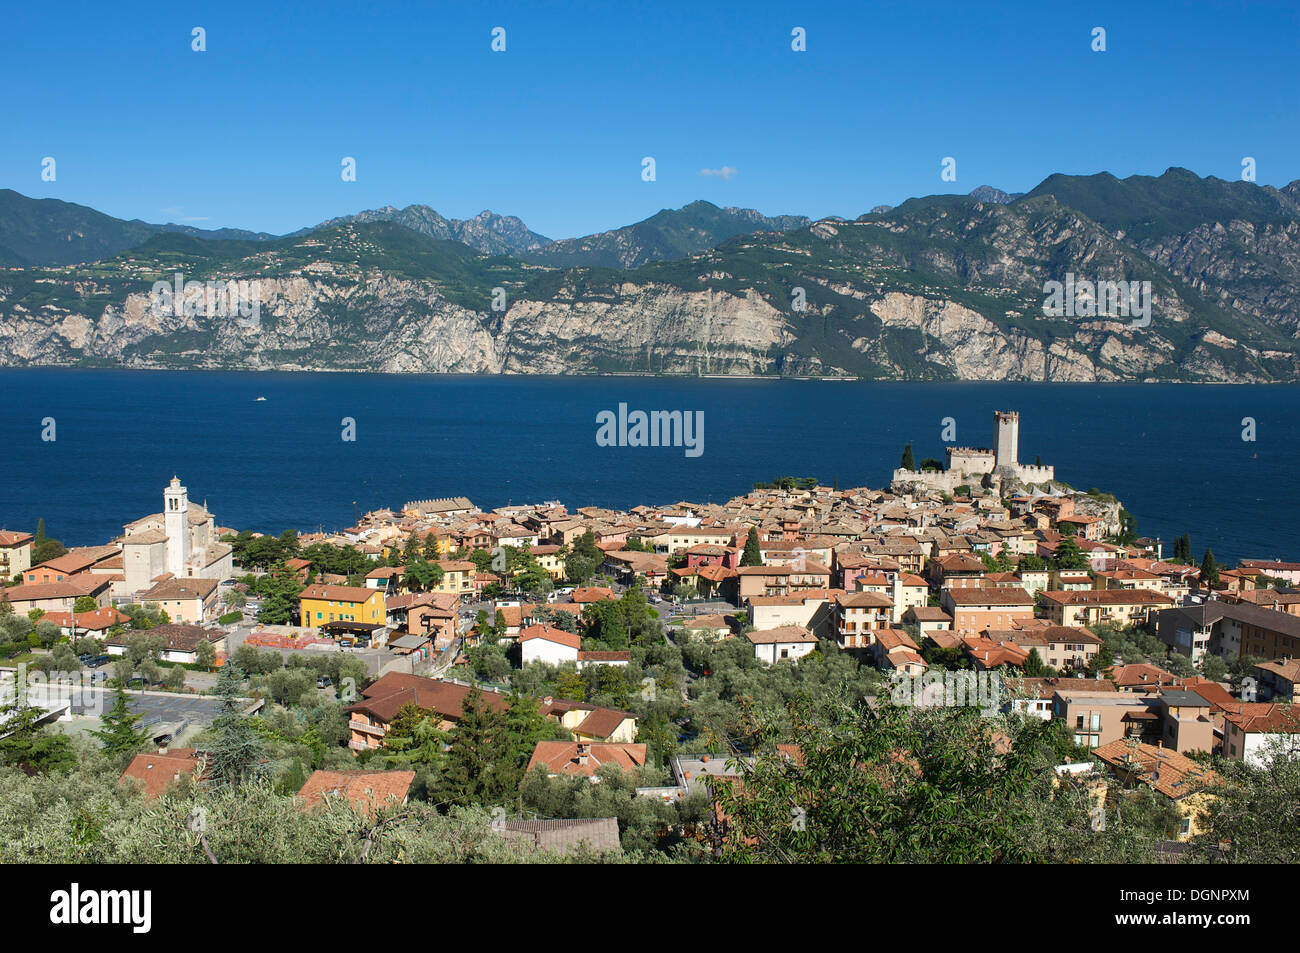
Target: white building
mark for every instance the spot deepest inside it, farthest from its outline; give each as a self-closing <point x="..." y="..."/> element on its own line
<point x="1258" y="732"/>
<point x="786" y="643"/>
<point x="180" y="542"/>
<point x="546" y="643"/>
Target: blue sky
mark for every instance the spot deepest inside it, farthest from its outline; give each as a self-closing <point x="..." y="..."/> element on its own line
<point x="251" y="132"/>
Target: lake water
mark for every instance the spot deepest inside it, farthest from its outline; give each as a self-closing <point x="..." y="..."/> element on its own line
<point x="1174" y="454"/>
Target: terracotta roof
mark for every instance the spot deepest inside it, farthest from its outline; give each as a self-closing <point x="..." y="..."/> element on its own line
<point x="863" y="600"/>
<point x="602" y="722"/>
<point x="1264" y="717"/>
<point x="1047" y="687"/>
<point x="929" y="614"/>
<point x="891" y="639"/>
<point x="68" y="589"/>
<point x="1288" y="668"/>
<point x="177" y="636"/>
<point x="1212" y="692"/>
<point x="604" y="656"/>
<point x="1107" y="597"/>
<point x="388" y="694"/>
<point x="551" y="634"/>
<point x="339" y="593"/>
<point x="155" y="771"/>
<point x="96" y="620"/>
<point x="1172" y="774"/>
<point x="1004" y="596"/>
<point x="960" y="563"/>
<point x="1140" y="675"/>
<point x="582" y="758"/>
<point x="781" y="635"/>
<point x="592" y="594"/>
<point x="367" y="790"/>
<point x="180" y="588"/>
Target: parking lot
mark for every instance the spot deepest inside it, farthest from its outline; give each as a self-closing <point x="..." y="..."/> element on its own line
<point x="154" y="707"/>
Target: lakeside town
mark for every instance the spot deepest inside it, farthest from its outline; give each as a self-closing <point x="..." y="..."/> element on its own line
<point x="655" y="682"/>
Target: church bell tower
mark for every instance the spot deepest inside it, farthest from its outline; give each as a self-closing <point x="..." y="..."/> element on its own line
<point x="176" y="504"/>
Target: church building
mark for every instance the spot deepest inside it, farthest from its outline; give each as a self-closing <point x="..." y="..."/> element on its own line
<point x="180" y="542"/>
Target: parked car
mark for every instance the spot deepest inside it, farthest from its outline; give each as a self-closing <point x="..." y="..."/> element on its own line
<point x="324" y="681"/>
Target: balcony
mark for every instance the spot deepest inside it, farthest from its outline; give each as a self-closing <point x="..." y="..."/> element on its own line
<point x="366" y="728"/>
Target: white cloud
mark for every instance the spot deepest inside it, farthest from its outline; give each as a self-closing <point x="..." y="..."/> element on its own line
<point x="725" y="172"/>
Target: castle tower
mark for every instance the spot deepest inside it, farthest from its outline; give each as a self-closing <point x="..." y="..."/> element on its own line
<point x="176" y="505"/>
<point x="1007" y="437"/>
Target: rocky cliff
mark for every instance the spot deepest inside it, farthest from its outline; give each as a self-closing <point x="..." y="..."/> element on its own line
<point x="947" y="287"/>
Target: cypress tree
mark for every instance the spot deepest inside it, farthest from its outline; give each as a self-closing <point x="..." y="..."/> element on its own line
<point x="753" y="555"/>
<point x="908" y="462"/>
<point x="1209" y="571"/>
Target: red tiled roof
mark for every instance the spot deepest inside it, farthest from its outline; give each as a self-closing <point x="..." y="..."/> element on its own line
<point x="551" y="634"/>
<point x="155" y="771"/>
<point x="367" y="790"/>
<point x="566" y="757"/>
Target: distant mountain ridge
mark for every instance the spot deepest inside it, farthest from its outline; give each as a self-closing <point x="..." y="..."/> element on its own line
<point x="668" y="234"/>
<point x="54" y="232"/>
<point x="941" y="287"/>
<point x="486" y="232"/>
<point x="987" y="193"/>
<point x="44" y="232"/>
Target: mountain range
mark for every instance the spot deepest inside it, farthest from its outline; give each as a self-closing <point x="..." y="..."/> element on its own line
<point x="939" y="287"/>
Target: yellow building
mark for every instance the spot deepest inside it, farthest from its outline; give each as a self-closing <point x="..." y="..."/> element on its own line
<point x="1187" y="784"/>
<point x="320" y="605"/>
<point x="457" y="576"/>
<point x="548" y="557"/>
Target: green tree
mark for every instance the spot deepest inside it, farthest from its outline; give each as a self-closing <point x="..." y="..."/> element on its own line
<point x="422" y="575"/>
<point x="1209" y="571"/>
<point x="120" y="734"/>
<point x="27" y="745"/>
<point x="908" y="462"/>
<point x="1070" y="556"/>
<point x="753" y="554"/>
<point x="44" y="548"/>
<point x="586" y="558"/>
<point x="280" y="597"/>
<point x="236" y="752"/>
<point x="205" y="654"/>
<point x="1255" y="813"/>
<point x="895" y="784"/>
<point x="475" y="764"/>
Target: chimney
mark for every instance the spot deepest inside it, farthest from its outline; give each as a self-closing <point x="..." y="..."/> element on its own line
<point x="162" y="749"/>
<point x="582" y="753"/>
